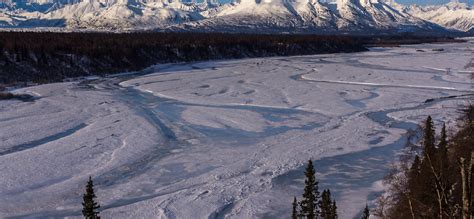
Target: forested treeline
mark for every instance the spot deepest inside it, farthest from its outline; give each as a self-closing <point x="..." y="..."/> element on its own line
<point x="436" y="179"/>
<point x="46" y="57"/>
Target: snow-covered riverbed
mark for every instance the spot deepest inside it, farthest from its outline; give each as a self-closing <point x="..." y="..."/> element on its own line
<point x="225" y="139"/>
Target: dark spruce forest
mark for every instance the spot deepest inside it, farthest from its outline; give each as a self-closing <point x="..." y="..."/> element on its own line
<point x="49" y="57"/>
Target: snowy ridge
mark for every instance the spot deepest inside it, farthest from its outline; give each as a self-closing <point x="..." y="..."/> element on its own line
<point x="106" y="14"/>
<point x="238" y="16"/>
<point x="454" y="15"/>
<point x="310" y="15"/>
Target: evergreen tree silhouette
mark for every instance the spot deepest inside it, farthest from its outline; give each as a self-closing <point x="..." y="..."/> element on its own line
<point x="334" y="210"/>
<point x="294" y="214"/>
<point x="424" y="190"/>
<point x="443" y="151"/>
<point x="429" y="138"/>
<point x="366" y="212"/>
<point x="326" y="204"/>
<point x="310" y="201"/>
<point x="90" y="206"/>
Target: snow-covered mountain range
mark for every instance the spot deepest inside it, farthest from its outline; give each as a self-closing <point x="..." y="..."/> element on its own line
<point x="238" y="16"/>
<point x="454" y="15"/>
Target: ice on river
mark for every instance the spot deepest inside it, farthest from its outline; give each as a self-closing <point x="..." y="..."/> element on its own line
<point x="225" y="139"/>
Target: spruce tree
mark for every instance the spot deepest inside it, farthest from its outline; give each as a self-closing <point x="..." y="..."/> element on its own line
<point x="443" y="140"/>
<point x="366" y="212"/>
<point x="309" y="203"/>
<point x="443" y="170"/>
<point x="414" y="171"/>
<point x="294" y="214"/>
<point x="443" y="162"/>
<point x="425" y="189"/>
<point x="90" y="206"/>
<point x="443" y="150"/>
<point x="334" y="210"/>
<point x="326" y="204"/>
<point x="429" y="138"/>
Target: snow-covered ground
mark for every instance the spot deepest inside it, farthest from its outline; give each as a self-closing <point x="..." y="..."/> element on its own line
<point x="225" y="139"/>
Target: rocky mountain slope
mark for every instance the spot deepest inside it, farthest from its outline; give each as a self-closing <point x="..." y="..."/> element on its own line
<point x="454" y="15"/>
<point x="311" y="15"/>
<point x="238" y="16"/>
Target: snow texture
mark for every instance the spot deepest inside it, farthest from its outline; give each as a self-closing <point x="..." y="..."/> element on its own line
<point x="225" y="139"/>
<point x="454" y="15"/>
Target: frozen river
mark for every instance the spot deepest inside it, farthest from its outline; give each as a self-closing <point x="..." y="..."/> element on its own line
<point x="225" y="139"/>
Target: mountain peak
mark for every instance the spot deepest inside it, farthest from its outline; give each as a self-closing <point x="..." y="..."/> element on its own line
<point x="239" y="16"/>
<point x="453" y="15"/>
<point x="456" y="5"/>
